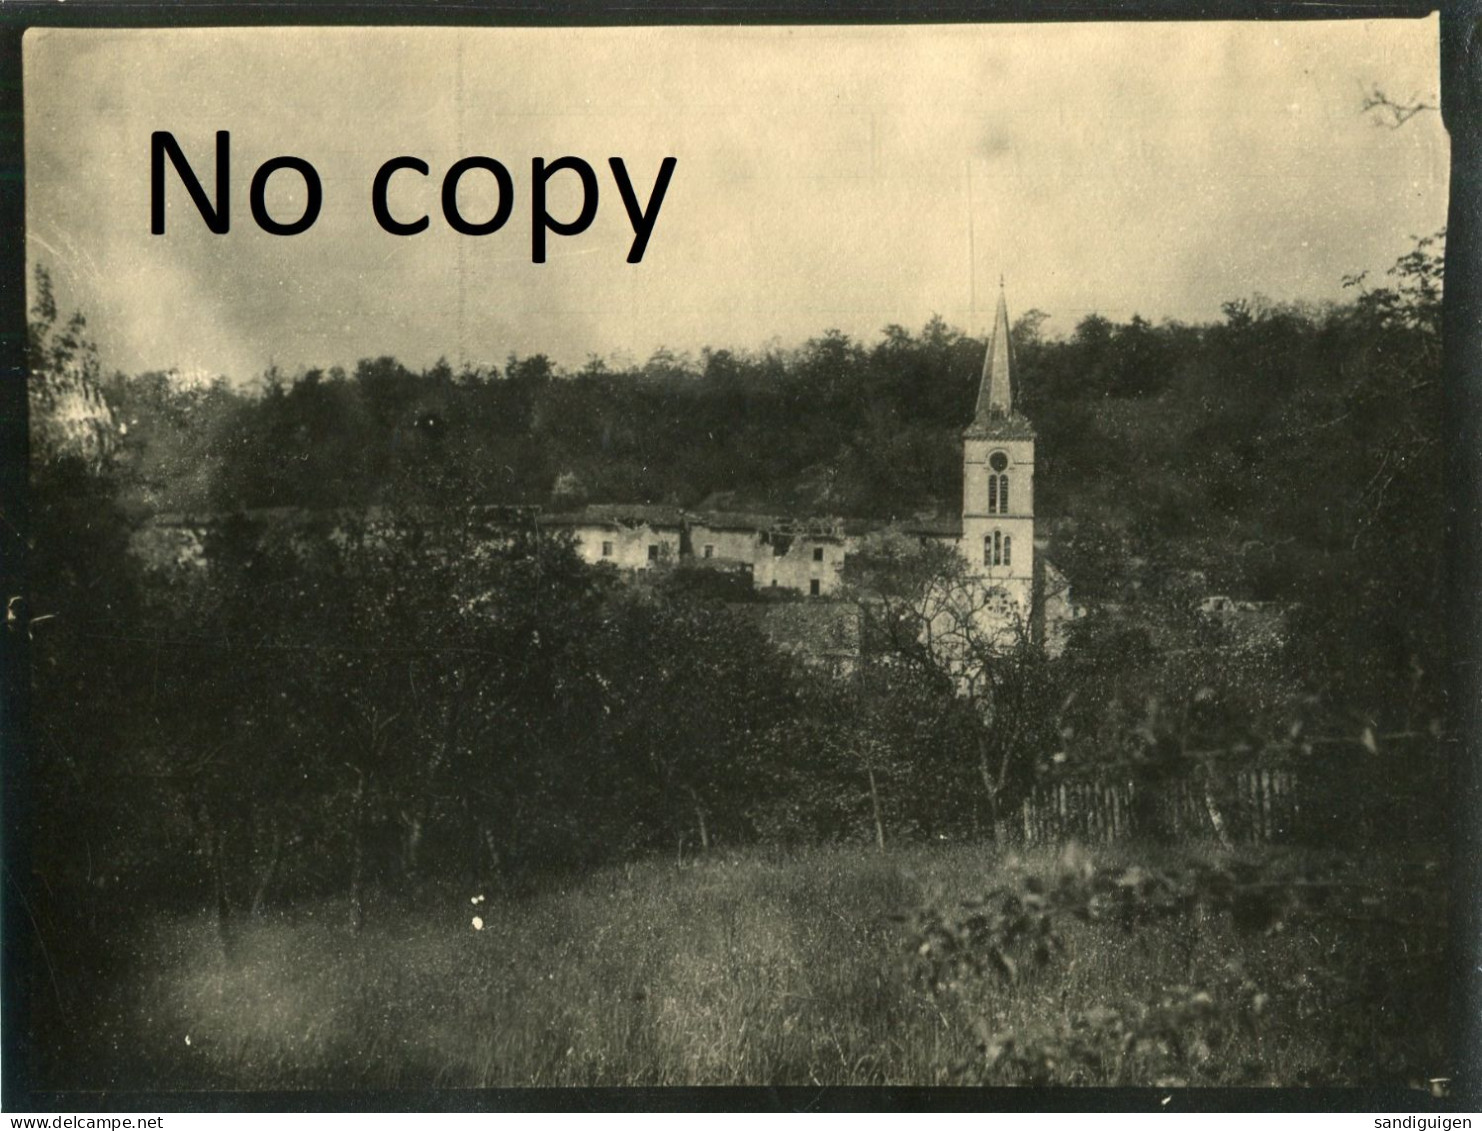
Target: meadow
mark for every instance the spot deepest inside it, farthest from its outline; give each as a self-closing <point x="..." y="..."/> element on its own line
<point x="758" y="968"/>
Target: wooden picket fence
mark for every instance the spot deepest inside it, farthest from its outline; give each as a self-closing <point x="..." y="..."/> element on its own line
<point x="1258" y="804"/>
<point x="1324" y="790"/>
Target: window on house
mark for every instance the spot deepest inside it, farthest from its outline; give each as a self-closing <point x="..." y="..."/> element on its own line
<point x="813" y="588"/>
<point x="818" y="553"/>
<point x="710" y="551"/>
<point x="653" y="553"/>
<point x="607" y="549"/>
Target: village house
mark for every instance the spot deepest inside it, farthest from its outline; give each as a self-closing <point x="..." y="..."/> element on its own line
<point x="775" y="551"/>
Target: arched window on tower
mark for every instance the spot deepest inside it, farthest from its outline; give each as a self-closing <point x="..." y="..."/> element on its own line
<point x="992" y="493"/>
<point x="1007" y="548"/>
<point x="998" y="547"/>
<point x="988" y="549"/>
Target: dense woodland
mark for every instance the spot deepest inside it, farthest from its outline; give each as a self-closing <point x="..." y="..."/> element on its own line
<point x="388" y="706"/>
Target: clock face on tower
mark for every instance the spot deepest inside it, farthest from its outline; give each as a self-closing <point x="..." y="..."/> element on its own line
<point x="998" y="461"/>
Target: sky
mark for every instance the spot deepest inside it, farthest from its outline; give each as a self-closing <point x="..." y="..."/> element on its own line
<point x="826" y="178"/>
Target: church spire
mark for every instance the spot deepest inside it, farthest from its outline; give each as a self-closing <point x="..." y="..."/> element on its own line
<point x="996" y="392"/>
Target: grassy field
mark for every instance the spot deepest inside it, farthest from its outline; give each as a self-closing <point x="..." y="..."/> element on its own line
<point x="739" y="970"/>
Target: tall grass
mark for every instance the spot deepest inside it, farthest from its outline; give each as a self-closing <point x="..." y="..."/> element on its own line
<point x="747" y="969"/>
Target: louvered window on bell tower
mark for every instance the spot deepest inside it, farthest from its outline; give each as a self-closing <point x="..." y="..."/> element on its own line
<point x="998" y="494"/>
<point x="998" y="483"/>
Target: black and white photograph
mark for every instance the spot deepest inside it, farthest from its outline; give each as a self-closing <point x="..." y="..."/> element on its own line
<point x="829" y="556"/>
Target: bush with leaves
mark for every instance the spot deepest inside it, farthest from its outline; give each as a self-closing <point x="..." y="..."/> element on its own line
<point x="1218" y="1000"/>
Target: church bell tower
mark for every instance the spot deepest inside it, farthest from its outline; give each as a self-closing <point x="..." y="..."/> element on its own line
<point x="998" y="485"/>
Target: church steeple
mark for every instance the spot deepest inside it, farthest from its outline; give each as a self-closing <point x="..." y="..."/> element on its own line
<point x="995" y="416"/>
<point x="996" y="390"/>
<point x="998" y="487"/>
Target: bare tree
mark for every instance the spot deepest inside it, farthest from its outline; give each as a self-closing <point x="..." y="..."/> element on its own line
<point x="926" y="608"/>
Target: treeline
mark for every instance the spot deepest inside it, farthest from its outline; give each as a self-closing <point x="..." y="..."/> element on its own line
<point x="831" y="428"/>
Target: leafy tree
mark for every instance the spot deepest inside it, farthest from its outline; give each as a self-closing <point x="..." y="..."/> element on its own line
<point x="696" y="706"/>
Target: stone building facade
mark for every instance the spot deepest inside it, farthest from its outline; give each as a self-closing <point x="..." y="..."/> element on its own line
<point x="777" y="552"/>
